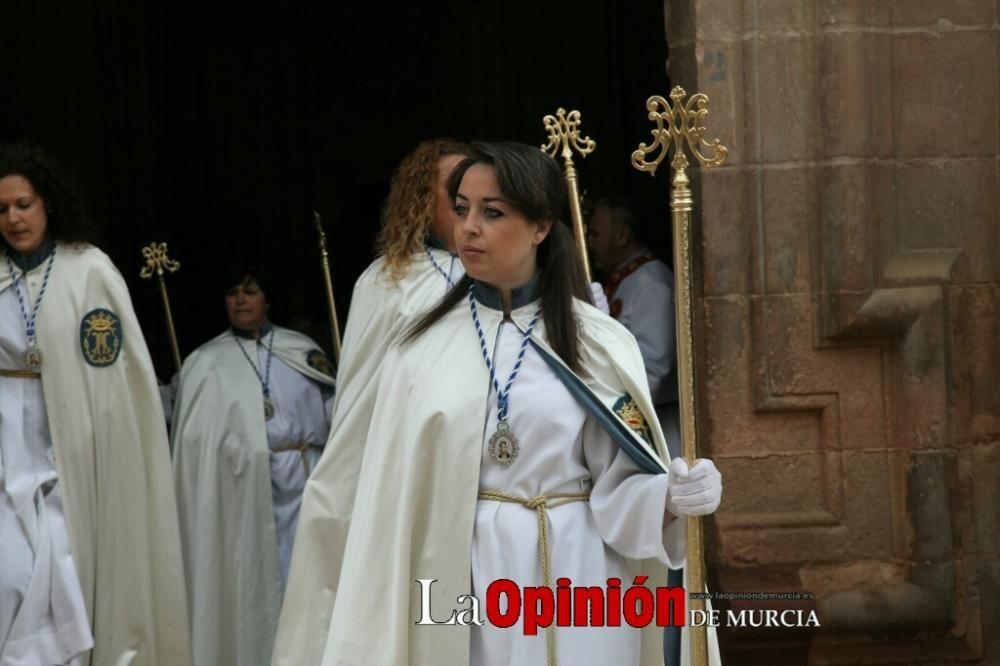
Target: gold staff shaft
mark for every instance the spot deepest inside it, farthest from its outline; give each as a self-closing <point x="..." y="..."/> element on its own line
<point x="579" y="234"/>
<point x="174" y="347"/>
<point x="328" y="283"/>
<point x="680" y="207"/>
<point x="678" y="125"/>
<point x="574" y="208"/>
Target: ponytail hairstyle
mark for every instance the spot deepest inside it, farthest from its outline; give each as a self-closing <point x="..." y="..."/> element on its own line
<point x="532" y="182"/>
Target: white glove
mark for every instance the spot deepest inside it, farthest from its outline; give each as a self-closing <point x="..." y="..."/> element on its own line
<point x="600" y="300"/>
<point x="696" y="491"/>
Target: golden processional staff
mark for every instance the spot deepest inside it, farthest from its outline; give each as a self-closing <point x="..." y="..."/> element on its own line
<point x="157" y="261"/>
<point x="564" y="138"/>
<point x="328" y="283"/>
<point x="679" y="124"/>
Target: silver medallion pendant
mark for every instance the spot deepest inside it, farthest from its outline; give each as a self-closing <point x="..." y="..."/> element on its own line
<point x="33" y="357"/>
<point x="268" y="409"/>
<point x="503" y="445"/>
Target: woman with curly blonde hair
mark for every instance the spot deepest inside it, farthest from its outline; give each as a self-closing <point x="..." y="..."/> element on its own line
<point x="418" y="208"/>
<point x="417" y="266"/>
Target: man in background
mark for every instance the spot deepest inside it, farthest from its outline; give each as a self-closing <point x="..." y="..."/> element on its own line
<point x="640" y="293"/>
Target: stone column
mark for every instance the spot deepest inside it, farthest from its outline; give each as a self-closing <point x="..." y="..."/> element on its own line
<point x="850" y="263"/>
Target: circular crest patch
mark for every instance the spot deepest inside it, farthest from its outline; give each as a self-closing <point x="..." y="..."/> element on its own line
<point x="317" y="360"/>
<point x="101" y="337"/>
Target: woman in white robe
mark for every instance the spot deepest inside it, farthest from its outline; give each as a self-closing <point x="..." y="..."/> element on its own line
<point x="588" y="541"/>
<point x="416" y="267"/>
<point x="90" y="565"/>
<point x="251" y="418"/>
<point x="442" y="497"/>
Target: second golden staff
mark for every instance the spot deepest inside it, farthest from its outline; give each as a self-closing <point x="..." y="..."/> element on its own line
<point x="564" y="138"/>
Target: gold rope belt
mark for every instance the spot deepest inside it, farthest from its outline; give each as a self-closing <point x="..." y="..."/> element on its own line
<point x="301" y="447"/>
<point x="539" y="504"/>
<point x="23" y="374"/>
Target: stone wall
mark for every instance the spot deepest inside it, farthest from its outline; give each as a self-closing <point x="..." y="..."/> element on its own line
<point x="850" y="300"/>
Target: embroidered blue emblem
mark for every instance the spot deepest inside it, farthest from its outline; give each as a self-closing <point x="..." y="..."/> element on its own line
<point x="101" y="337"/>
<point x="631" y="415"/>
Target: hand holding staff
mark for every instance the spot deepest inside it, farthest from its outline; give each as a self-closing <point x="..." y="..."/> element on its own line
<point x="678" y="124"/>
<point x="156" y="262"/>
<point x="328" y="283"/>
<point x="564" y="138"/>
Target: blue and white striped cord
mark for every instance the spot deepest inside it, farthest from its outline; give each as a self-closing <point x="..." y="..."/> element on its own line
<point x="29" y="322"/>
<point x="446" y="276"/>
<point x="503" y="397"/>
<point x="265" y="379"/>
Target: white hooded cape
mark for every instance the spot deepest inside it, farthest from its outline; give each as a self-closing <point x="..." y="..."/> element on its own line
<point x="380" y="310"/>
<point x="112" y="457"/>
<point x="222" y="471"/>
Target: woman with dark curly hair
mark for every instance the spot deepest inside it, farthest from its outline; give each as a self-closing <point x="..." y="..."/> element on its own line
<point x="89" y="539"/>
<point x="416" y="267"/>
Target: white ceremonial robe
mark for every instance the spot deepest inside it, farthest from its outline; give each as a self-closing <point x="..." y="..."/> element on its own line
<point x="43" y="615"/>
<point x="380" y="311"/>
<point x="111" y="458"/>
<point x="563" y="450"/>
<point x="645" y="307"/>
<point x="418" y="481"/>
<point x="239" y="498"/>
<point x="647" y="311"/>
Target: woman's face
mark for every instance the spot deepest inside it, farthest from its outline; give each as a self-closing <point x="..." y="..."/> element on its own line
<point x="497" y="243"/>
<point x="444" y="216"/>
<point x="246" y="306"/>
<point x="23" y="220"/>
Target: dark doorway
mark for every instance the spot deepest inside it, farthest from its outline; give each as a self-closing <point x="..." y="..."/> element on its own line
<point x="220" y="128"/>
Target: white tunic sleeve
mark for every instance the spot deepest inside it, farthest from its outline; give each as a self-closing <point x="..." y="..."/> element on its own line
<point x="302" y="416"/>
<point x="648" y="313"/>
<point x="629" y="504"/>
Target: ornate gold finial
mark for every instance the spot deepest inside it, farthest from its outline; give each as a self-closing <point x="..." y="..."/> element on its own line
<point x="157" y="261"/>
<point x="564" y="135"/>
<point x="564" y="138"/>
<point x="678" y="123"/>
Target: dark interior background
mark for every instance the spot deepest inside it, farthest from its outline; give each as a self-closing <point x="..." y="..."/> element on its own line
<point x="220" y="128"/>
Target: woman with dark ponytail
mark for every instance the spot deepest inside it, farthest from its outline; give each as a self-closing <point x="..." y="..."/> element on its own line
<point x="514" y="439"/>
